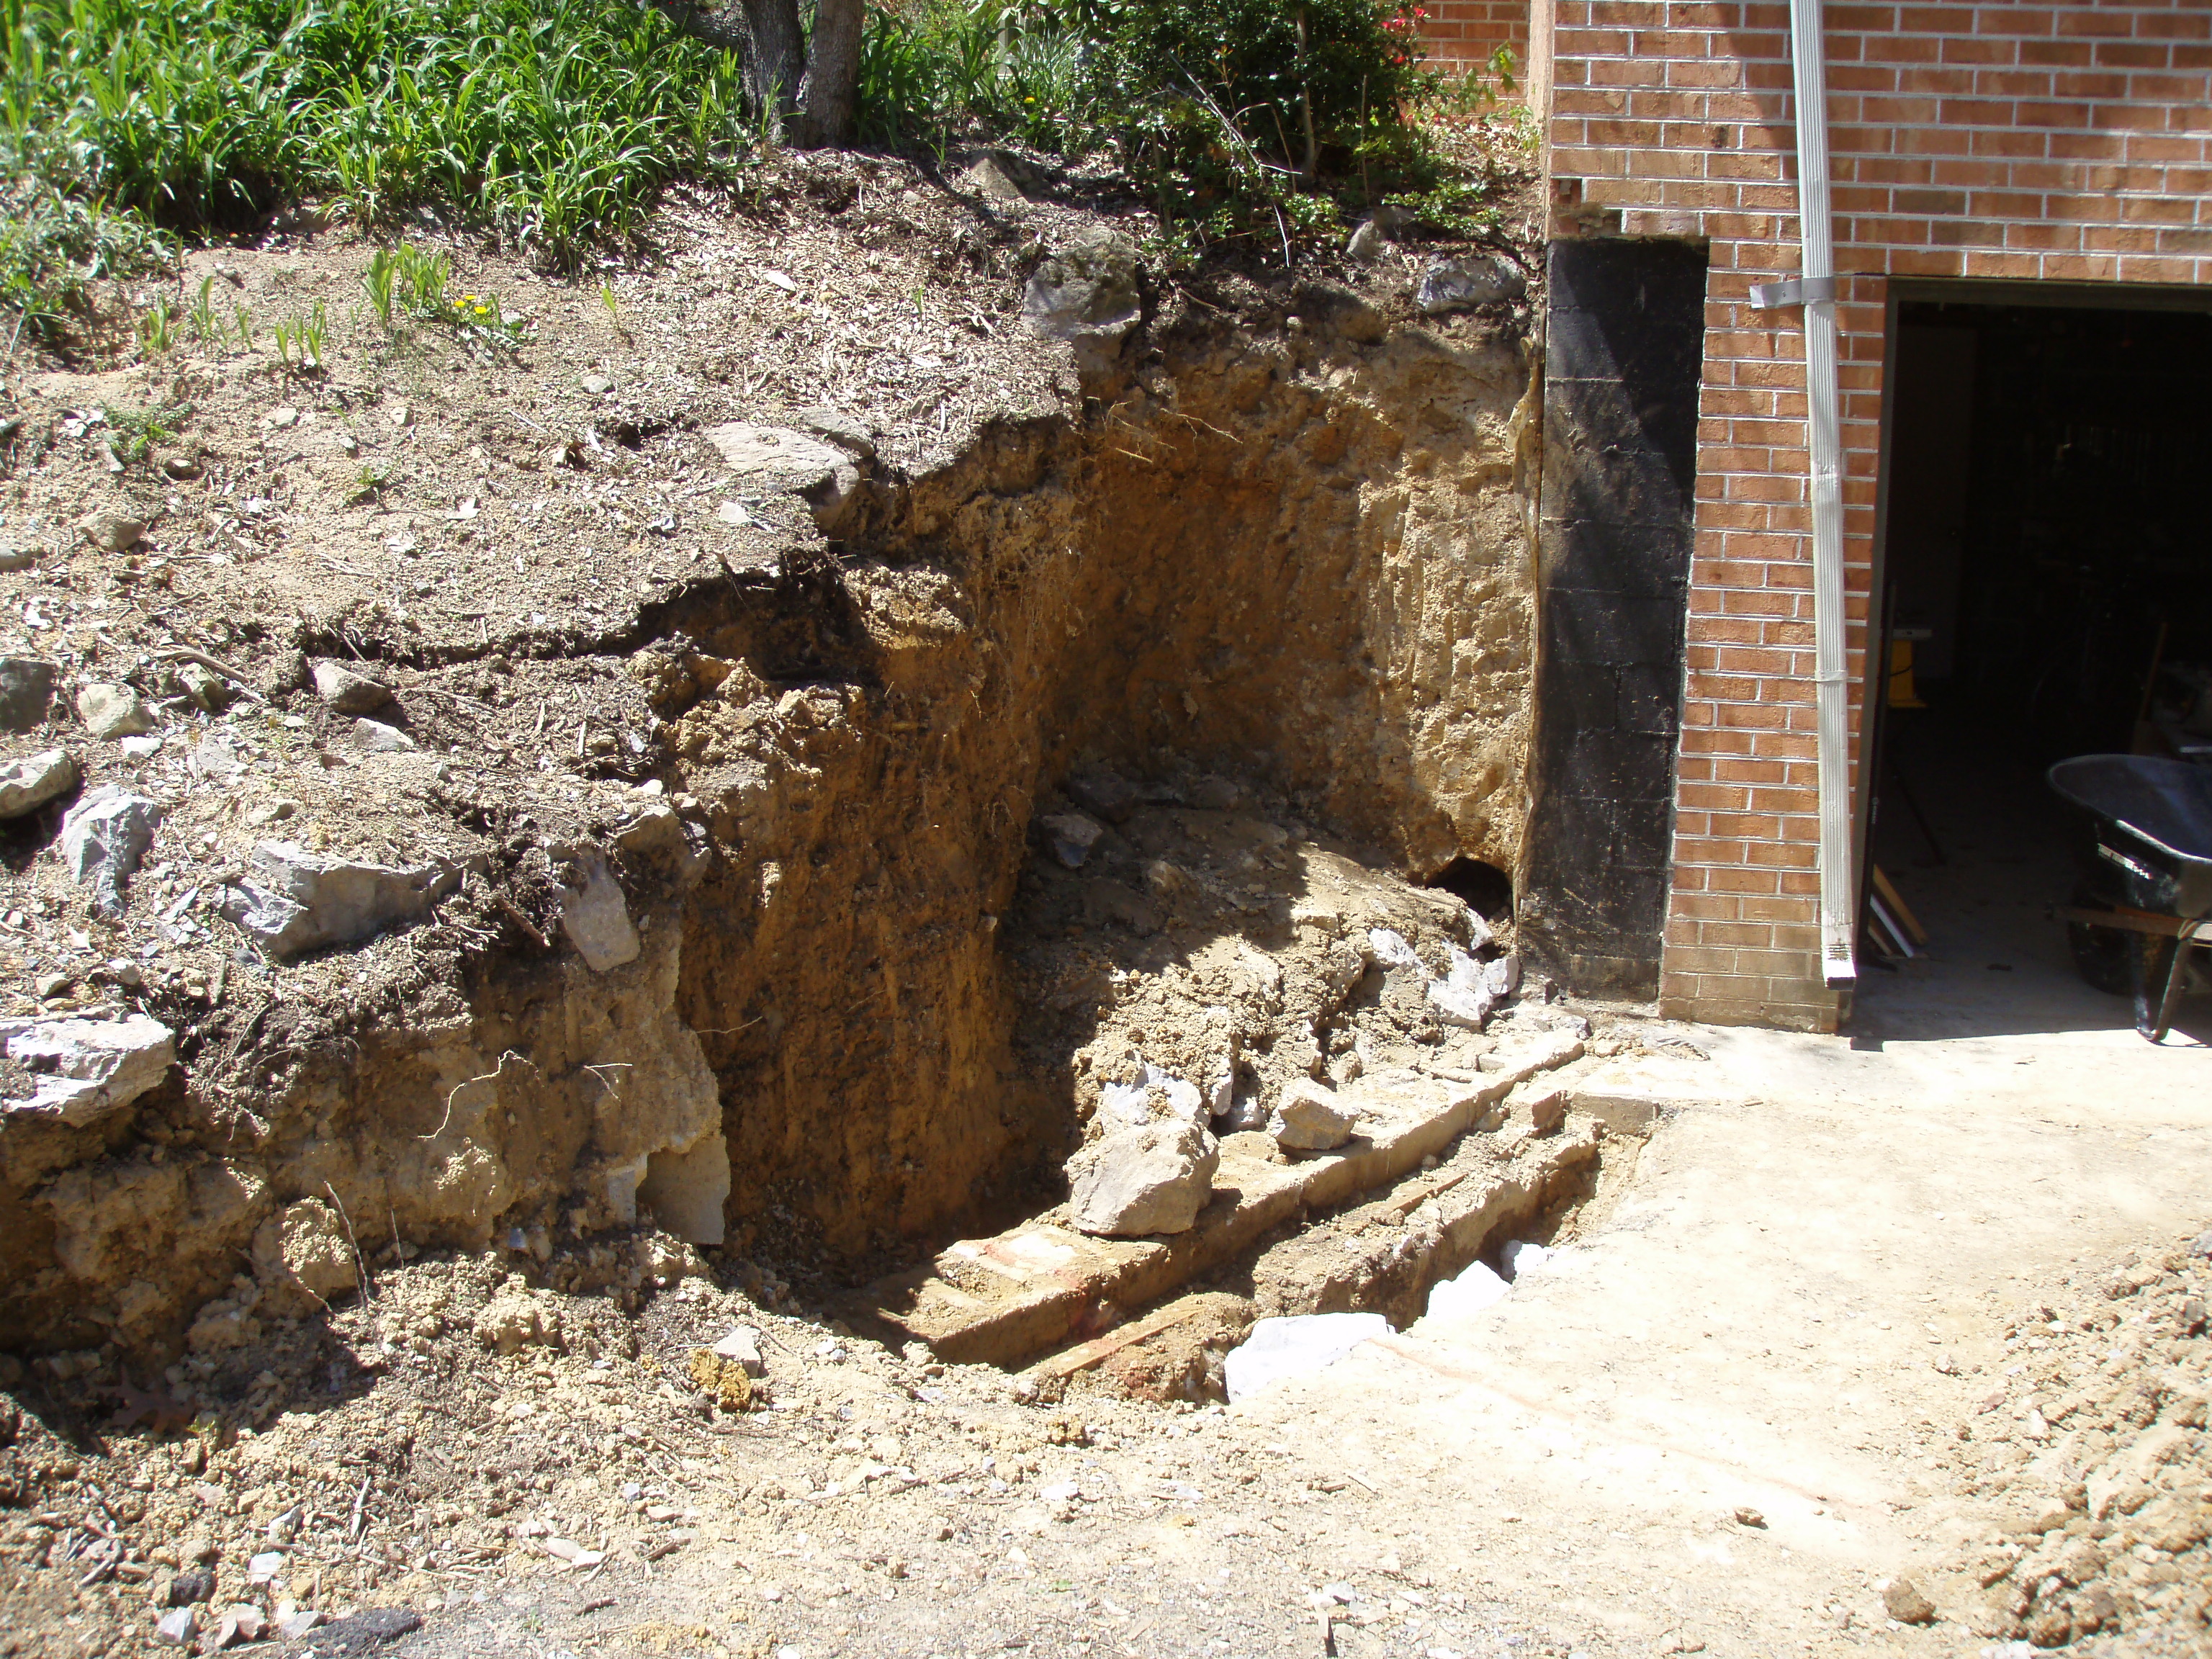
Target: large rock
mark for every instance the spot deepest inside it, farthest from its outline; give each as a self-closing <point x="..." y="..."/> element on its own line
<point x="1309" y="1118"/>
<point x="78" y="1071"/>
<point x="113" y="711"/>
<point x="295" y="901"/>
<point x="27" y="692"/>
<point x="775" y="456"/>
<point x="346" y="692"/>
<point x="104" y="837"/>
<point x="1087" y="295"/>
<point x="596" y="918"/>
<point x="1154" y="1179"/>
<point x="1481" y="279"/>
<point x="29" y="783"/>
<point x="1281" y="1348"/>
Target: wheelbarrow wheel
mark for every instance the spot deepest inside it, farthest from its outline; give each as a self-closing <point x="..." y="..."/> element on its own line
<point x="2104" y="957"/>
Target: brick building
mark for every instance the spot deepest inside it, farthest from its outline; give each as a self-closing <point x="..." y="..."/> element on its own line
<point x="2022" y="230"/>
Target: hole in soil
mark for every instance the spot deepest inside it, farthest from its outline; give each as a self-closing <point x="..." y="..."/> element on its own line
<point x="1488" y="889"/>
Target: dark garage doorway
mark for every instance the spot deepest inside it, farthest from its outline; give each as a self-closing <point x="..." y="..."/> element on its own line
<point x="2047" y="561"/>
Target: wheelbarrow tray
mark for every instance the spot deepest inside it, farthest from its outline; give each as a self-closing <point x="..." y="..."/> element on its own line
<point x="2149" y="852"/>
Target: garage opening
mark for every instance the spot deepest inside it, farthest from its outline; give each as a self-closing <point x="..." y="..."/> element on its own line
<point x="2047" y="593"/>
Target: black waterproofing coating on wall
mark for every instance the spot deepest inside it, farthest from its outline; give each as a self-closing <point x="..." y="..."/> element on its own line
<point x="1624" y="351"/>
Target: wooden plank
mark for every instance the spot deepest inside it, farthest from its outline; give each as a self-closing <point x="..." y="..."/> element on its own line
<point x="1898" y="907"/>
<point x="1083" y="1357"/>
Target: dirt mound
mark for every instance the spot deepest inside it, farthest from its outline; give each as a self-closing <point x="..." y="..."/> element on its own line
<point x="2094" y="1444"/>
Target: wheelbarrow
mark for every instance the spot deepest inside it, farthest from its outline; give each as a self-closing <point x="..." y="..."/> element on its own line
<point x="2145" y="887"/>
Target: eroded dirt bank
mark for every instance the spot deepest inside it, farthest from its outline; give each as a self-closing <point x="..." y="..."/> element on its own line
<point x="713" y="906"/>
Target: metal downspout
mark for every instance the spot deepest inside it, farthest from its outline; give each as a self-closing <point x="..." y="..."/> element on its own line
<point x="1817" y="289"/>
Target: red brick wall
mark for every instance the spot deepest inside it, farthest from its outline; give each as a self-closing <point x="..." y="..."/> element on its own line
<point x="1462" y="34"/>
<point x="1990" y="139"/>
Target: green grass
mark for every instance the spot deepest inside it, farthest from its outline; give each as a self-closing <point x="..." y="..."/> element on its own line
<point x="552" y="121"/>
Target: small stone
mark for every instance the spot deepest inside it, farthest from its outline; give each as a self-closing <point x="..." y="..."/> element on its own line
<point x="401" y="414"/>
<point x="27" y="692"/>
<point x="274" y="812"/>
<point x="265" y="1567"/>
<point x="113" y="711"/>
<point x="111" y="531"/>
<point x="49" y="985"/>
<point x="1309" y="1118"/>
<point x="13" y="558"/>
<point x="1070" y="835"/>
<point x="251" y="1626"/>
<point x="104" y="838"/>
<point x="346" y="691"/>
<point x="596" y="386"/>
<point x="193" y="1584"/>
<point x="284" y="417"/>
<point x="1903" y="1601"/>
<point x="1502" y="978"/>
<point x="1152" y="1179"/>
<point x="1750" y="1517"/>
<point x="742" y="1347"/>
<point x="375" y="738"/>
<point x="293" y="1625"/>
<point x="1366" y="242"/>
<point x="181" y="469"/>
<point x="139" y="748"/>
<point x="177" y="1627"/>
<point x="27" y="784"/>
<point x="595" y="916"/>
<point x="988" y="179"/>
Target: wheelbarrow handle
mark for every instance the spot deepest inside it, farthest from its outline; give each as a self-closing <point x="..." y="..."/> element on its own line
<point x="2137" y="922"/>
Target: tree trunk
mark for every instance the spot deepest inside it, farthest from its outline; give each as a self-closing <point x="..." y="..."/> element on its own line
<point x="775" y="56"/>
<point x="832" y="70"/>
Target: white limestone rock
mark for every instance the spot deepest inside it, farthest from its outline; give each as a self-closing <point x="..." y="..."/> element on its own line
<point x="1152" y="1179"/>
<point x="1309" y="1118"/>
<point x="79" y="1071"/>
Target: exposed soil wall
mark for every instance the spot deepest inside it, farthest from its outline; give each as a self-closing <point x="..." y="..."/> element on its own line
<point x="1300" y="562"/>
<point x="1295" y="560"/>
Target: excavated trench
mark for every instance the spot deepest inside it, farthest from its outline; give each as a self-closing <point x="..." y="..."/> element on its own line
<point x="1264" y="620"/>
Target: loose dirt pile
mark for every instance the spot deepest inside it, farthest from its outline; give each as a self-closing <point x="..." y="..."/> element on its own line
<point x="2095" y="1441"/>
